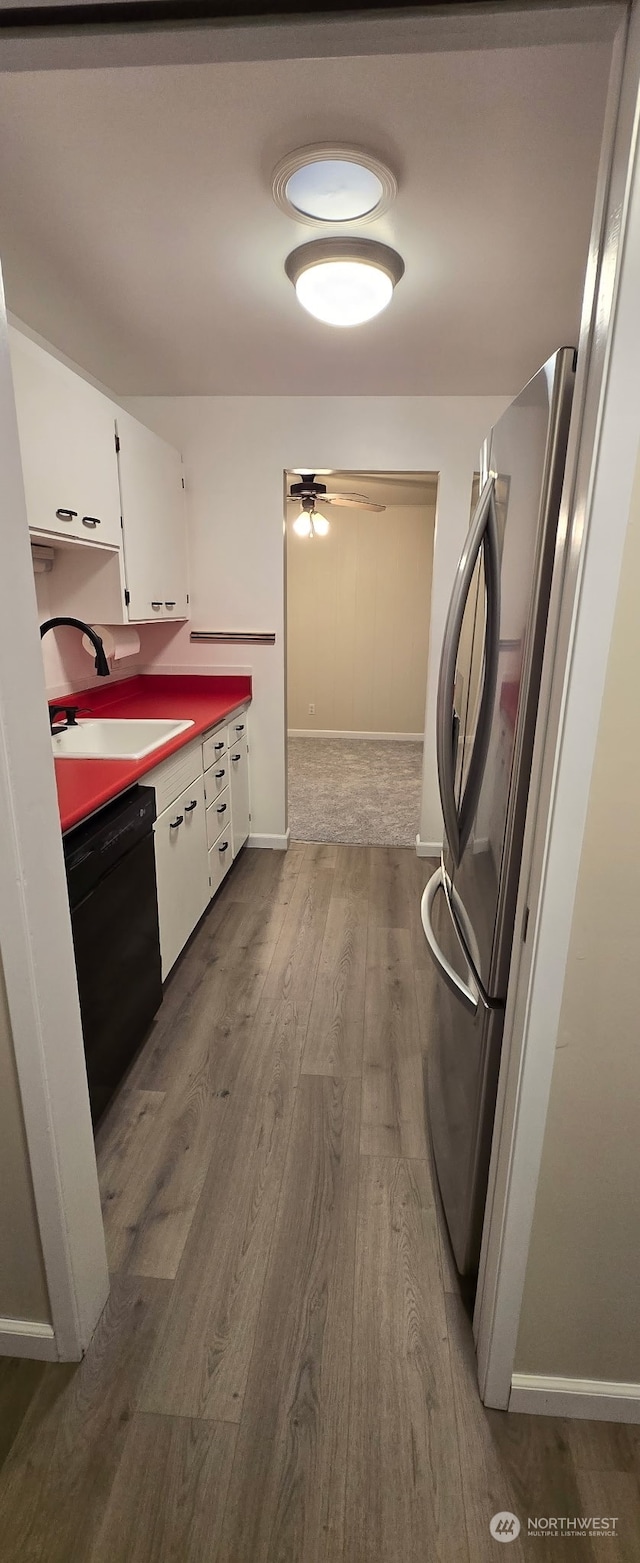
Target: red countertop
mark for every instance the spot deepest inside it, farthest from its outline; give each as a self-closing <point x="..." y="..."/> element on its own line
<point x="85" y="785"/>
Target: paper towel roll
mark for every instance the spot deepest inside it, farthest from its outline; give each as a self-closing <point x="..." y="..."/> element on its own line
<point x="119" y="641"/>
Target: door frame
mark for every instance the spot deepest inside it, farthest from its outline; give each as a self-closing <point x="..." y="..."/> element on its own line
<point x="37" y="953"/>
<point x="602" y="459"/>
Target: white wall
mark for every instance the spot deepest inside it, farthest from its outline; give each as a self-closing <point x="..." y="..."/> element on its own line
<point x="580" y="1307"/>
<point x="236" y="451"/>
<point x="23" y="1288"/>
<point x="358" y="611"/>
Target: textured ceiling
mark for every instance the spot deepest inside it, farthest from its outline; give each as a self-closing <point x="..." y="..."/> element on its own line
<point x="138" y="232"/>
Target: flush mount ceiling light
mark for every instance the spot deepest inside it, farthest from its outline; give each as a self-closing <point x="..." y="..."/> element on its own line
<point x="333" y="184"/>
<point x="344" y="282"/>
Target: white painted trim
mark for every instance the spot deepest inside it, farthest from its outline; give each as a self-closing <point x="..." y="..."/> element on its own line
<point x="276" y="843"/>
<point x="596" y="1399"/>
<point x="331" y="732"/>
<point x="35" y="937"/>
<point x="428" y="848"/>
<point x="24" y="1338"/>
<point x="593" y="523"/>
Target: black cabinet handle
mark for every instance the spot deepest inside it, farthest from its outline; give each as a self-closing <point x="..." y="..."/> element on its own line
<point x="240" y="729"/>
<point x="66" y="515"/>
<point x="156" y="605"/>
<point x="221" y="808"/>
<point x="219" y="745"/>
<point x="224" y="846"/>
<point x="219" y="774"/>
<point x="189" y="807"/>
<point x="173" y="824"/>
<point x="235" y="758"/>
<point x="169" y="604"/>
<point x="91" y="521"/>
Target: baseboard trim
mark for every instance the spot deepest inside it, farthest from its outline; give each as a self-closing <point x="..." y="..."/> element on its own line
<point x="276" y="843"/>
<point x="24" y="1338"/>
<point x="597" y="1399"/>
<point x="428" y="848"/>
<point x="337" y="732"/>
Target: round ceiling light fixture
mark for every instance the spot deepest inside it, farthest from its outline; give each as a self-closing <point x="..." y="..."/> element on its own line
<point x="344" y="282"/>
<point x="333" y="184"/>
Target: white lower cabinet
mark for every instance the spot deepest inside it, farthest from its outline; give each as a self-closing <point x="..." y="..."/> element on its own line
<point x="239" y="787"/>
<point x="182" y="870"/>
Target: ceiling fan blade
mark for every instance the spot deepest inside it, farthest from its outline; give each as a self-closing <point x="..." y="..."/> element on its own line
<point x="350" y="501"/>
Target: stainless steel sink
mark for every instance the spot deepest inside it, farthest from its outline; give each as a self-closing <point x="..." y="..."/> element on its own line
<point x="114" y="739"/>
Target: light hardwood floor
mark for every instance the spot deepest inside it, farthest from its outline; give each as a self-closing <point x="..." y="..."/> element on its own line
<point x="284" y="1372"/>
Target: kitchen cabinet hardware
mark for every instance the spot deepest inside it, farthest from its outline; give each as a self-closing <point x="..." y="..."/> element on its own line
<point x="169" y="604"/>
<point x="66" y="515"/>
<point x="91" y="521"/>
<point x="240" y="728"/>
<point x="173" y="824"/>
<point x="156" y="605"/>
<point x="220" y="744"/>
<point x="219" y="775"/>
<point x="224" y="847"/>
<point x="235" y="758"/>
<point x="189" y="807"/>
<point x="221" y="809"/>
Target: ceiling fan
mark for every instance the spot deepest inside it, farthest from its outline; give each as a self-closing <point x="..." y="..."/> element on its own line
<point x="310" y="523"/>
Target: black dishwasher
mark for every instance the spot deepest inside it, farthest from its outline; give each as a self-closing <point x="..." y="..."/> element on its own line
<point x="111" y="877"/>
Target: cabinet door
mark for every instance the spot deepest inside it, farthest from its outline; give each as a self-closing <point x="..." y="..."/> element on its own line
<point x="153" y="518"/>
<point x="239" y="770"/>
<point x="67" y="443"/>
<point x="182" y="871"/>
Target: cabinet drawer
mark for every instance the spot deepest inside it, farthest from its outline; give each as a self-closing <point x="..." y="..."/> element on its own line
<point x="219" y="816"/>
<point x="176" y="773"/>
<point x="214" y="746"/>
<point x="220" y="861"/>
<point x="237" y="729"/>
<point x="182" y="870"/>
<point x="216" y="779"/>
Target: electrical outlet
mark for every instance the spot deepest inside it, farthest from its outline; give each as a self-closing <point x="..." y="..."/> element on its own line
<point x="312" y="709"/>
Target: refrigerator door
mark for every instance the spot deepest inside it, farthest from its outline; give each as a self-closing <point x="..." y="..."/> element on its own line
<point x="522" y="486"/>
<point x="462" y="1072"/>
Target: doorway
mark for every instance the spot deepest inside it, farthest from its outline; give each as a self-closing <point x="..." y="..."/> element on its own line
<point x="359" y="558"/>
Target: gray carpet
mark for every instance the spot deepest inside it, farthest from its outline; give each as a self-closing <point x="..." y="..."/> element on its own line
<point x="354" y="790"/>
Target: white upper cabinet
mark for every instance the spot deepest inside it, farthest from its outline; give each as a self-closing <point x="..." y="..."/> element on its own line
<point x="153" y="517"/>
<point x="67" y="443"/>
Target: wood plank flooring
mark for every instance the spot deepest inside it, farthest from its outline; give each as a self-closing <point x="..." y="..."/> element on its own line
<point x="284" y="1372"/>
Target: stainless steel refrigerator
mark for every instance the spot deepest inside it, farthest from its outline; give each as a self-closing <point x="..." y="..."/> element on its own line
<point x="488" y="696"/>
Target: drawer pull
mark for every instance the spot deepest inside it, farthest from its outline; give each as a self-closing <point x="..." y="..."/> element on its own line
<point x="156" y="605"/>
<point x="224" y="846"/>
<point x="235" y="758"/>
<point x="220" y="774"/>
<point x="219" y="745"/>
<point x="240" y="728"/>
<point x="221" y="808"/>
<point x="189" y="807"/>
<point x="169" y="604"/>
<point x="173" y="824"/>
<point x="91" y="521"/>
<point x="66" y="515"/>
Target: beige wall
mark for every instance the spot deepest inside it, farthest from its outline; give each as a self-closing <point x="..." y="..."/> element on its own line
<point x="358" y="612"/>
<point x="581" y="1307"/>
<point x="23" y="1291"/>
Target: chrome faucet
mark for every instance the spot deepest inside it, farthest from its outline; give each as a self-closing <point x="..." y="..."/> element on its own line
<point x="102" y="666"/>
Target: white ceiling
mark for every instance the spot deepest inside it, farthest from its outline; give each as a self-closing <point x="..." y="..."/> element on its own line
<point x="138" y="233"/>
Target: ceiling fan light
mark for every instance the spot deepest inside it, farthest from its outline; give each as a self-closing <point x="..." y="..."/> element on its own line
<point x="344" y="282"/>
<point x="321" y="525"/>
<point x="302" y="525"/>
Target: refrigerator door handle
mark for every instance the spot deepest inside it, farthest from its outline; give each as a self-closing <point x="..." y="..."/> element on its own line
<point x="467" y="992"/>
<point x="484" y="526"/>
